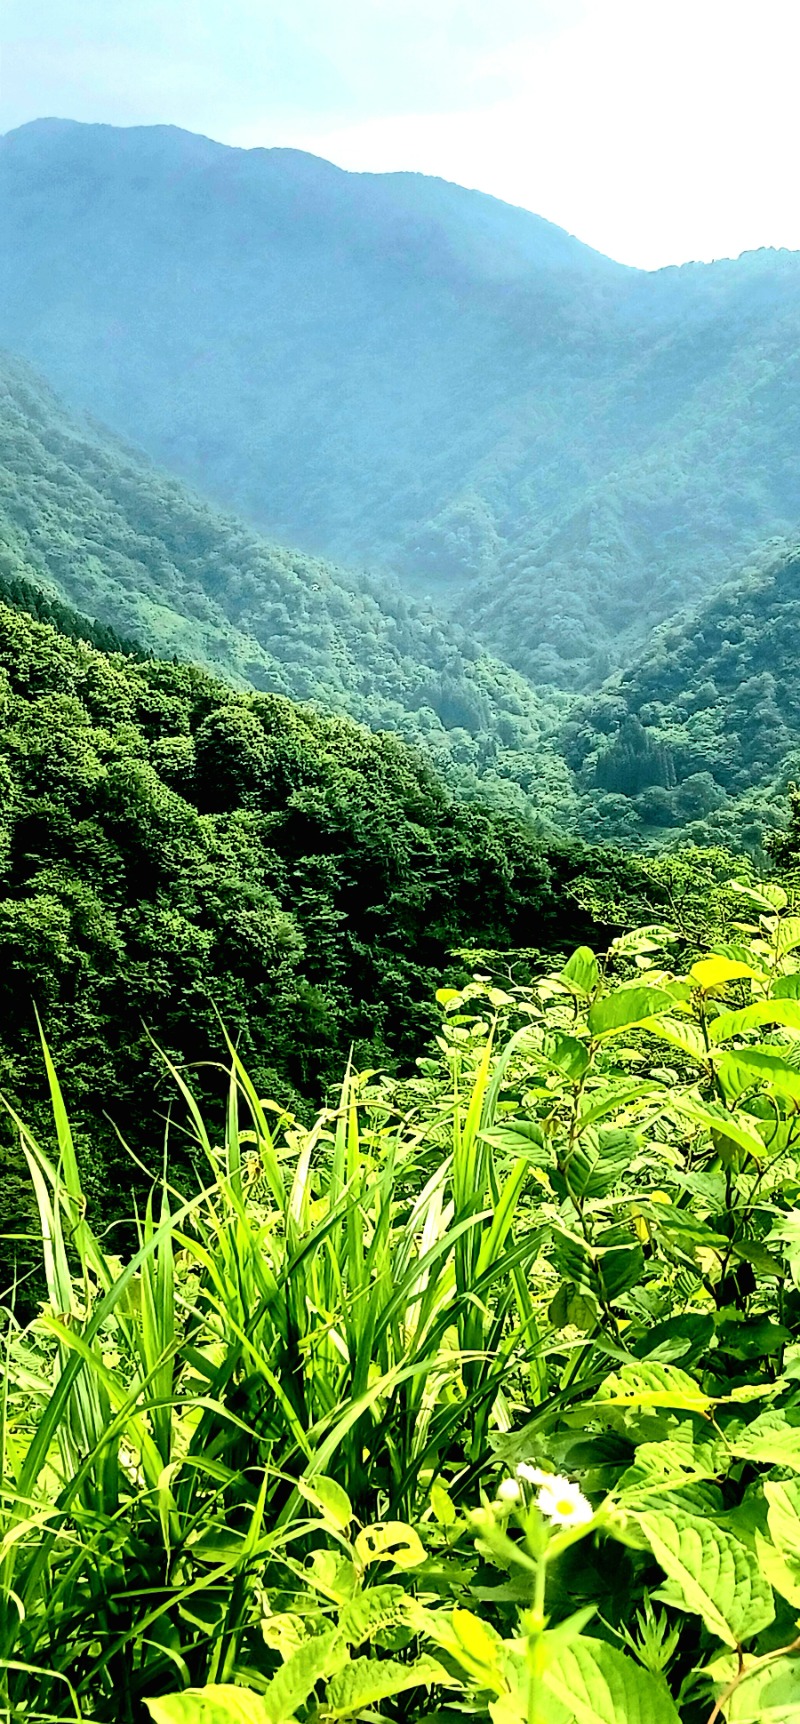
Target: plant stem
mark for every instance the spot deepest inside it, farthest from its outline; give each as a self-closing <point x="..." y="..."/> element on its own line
<point x="742" y="1674"/>
<point x="535" y="1641"/>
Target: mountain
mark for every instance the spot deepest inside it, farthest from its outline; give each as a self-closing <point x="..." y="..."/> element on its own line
<point x="390" y="370"/>
<point x="91" y="523"/>
<point x="702" y="733"/>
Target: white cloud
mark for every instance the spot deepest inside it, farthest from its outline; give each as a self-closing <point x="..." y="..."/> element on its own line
<point x="657" y="132"/>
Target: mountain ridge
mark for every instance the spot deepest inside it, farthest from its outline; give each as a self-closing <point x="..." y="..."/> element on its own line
<point x="96" y="525"/>
<point x="360" y="366"/>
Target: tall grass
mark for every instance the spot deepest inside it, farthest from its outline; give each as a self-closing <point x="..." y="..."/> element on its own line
<point x="335" y="1301"/>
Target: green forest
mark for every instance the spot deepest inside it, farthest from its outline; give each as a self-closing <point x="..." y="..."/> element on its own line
<point x="702" y="734"/>
<point x="109" y="534"/>
<point x="399" y="955"/>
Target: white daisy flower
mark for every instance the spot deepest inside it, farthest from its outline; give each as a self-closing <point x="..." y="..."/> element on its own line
<point x="509" y="1491"/>
<point x="563" y="1503"/>
<point x="532" y="1475"/>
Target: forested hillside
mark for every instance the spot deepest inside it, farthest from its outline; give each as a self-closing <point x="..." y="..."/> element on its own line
<point x="175" y="857"/>
<point x="401" y="373"/>
<point x="127" y="545"/>
<point x="702" y="734"/>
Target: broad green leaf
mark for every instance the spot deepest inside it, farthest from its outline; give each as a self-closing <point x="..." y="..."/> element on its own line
<point x="646" y="1383"/>
<point x="378" y="1608"/>
<point x="739" y="1128"/>
<point x="619" y="1269"/>
<point x="283" y="1631"/>
<point x="688" y="1231"/>
<point x="521" y="1137"/>
<point x="770" y="1440"/>
<point x="763" y="1261"/>
<point x="474" y="1637"/>
<point x="680" y="1033"/>
<point x="368" y="1680"/>
<point x="783" y="1513"/>
<point x="788" y="936"/>
<point x="329" y="1498"/>
<point x="566" y="1054"/>
<point x="570" y="1309"/>
<point x="711" y="1573"/>
<point x="218" y="1703"/>
<point x="716" y="972"/>
<point x="728" y="1024"/>
<point x="769" y="896"/>
<point x="752" y="1337"/>
<point x="444" y="1509"/>
<point x="598" y="1161"/>
<point x="291" y="1686"/>
<point x="390" y="1541"/>
<point x="673" y="1464"/>
<point x="627" y="1006"/>
<point x="749" y="1068"/>
<point x="599" y="1685"/>
<point x="787" y="987"/>
<point x="574" y="1261"/>
<point x="651" y="938"/>
<point x="780" y="1568"/>
<point x="770" y="1696"/>
<point x="679" y="1340"/>
<point x="613" y="1098"/>
<point x="786" y="1232"/>
<point x="581" y="970"/>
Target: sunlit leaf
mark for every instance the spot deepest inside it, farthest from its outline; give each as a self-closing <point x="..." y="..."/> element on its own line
<point x="711" y="1573"/>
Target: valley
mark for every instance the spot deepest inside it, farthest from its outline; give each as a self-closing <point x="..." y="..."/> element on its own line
<point x="396" y="373"/>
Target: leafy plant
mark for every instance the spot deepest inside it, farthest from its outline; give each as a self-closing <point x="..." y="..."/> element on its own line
<point x="479" y="1394"/>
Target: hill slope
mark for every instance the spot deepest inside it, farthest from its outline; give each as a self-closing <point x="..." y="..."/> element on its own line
<point x="391" y="369"/>
<point x="703" y="731"/>
<point x="173" y="853"/>
<point x="124" y="543"/>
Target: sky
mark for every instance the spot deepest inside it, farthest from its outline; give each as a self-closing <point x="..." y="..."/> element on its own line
<point x="655" y="130"/>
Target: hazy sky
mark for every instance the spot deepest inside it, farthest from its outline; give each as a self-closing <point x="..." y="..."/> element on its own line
<point x="657" y="130"/>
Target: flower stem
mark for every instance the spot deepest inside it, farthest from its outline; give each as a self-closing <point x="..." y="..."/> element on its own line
<point x="536" y="1643"/>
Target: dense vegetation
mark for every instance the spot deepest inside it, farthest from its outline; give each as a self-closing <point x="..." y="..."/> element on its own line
<point x="476" y="1398"/>
<point x="104" y="530"/>
<point x="401" y="373"/>
<point x="702" y="734"/>
<point x="400" y="1316"/>
<point x="173" y="854"/>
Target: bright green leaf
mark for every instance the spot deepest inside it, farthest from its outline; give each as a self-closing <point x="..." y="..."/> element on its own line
<point x="367" y="1681"/>
<point x="716" y="972"/>
<point x="218" y="1703"/>
<point x="599" y="1685"/>
<point x="770" y="1440"/>
<point x="320" y="1657"/>
<point x="627" y="1006"/>
<point x="711" y="1573"/>
<point x="390" y="1541"/>
<point x="770" y="1696"/>
<point x="329" y="1498"/>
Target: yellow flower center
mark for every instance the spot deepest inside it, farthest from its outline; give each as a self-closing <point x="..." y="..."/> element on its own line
<point x="565" y="1505"/>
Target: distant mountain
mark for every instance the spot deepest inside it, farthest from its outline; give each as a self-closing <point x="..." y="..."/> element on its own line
<point x="86" y="522"/>
<point x="702" y="733"/>
<point x="394" y="371"/>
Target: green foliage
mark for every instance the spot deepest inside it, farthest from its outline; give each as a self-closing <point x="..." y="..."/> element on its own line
<point x="441" y="1396"/>
<point x="174" y="854"/>
<point x="702" y="733"/>
<point x="86" y="521"/>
